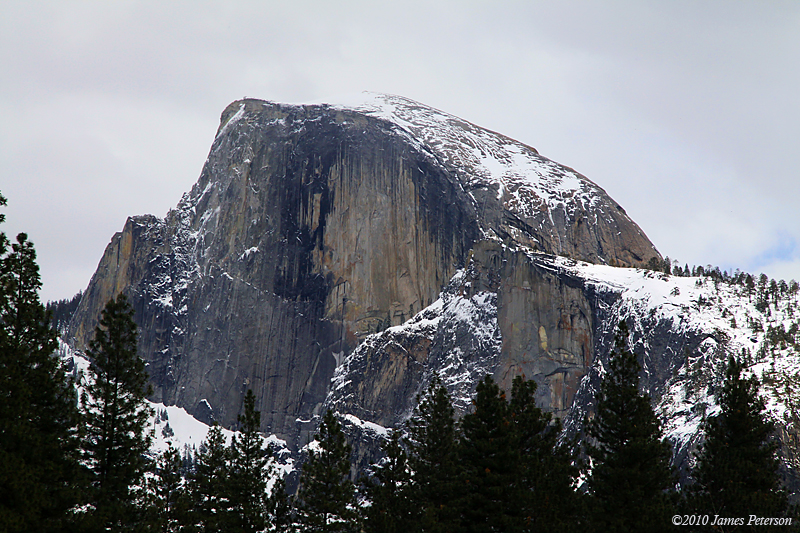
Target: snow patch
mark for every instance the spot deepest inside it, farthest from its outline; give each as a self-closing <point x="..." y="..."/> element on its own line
<point x="727" y="315"/>
<point x="233" y="120"/>
<point x="368" y="427"/>
<point x="173" y="426"/>
<point x="525" y="182"/>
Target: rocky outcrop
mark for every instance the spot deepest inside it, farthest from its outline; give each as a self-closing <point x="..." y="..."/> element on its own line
<point x="315" y="231"/>
<point x="506" y="314"/>
<point x="339" y="256"/>
<point x="518" y="193"/>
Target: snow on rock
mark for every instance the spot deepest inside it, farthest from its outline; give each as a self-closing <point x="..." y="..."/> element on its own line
<point x="526" y="182"/>
<point x="470" y="343"/>
<point x="465" y="340"/>
<point x="171" y="426"/>
<point x="232" y="120"/>
<point x="726" y="317"/>
<point x="366" y="426"/>
<point x="313" y="446"/>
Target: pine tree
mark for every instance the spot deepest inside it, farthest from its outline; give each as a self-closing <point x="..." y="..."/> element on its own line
<point x="494" y="497"/>
<point x="547" y="467"/>
<point x="326" y="497"/>
<point x="166" y="503"/>
<point x="280" y="507"/>
<point x="116" y="416"/>
<point x="39" y="468"/>
<point x="391" y="509"/>
<point x="249" y="472"/>
<point x="631" y="475"/>
<point x="61" y="312"/>
<point x="228" y="487"/>
<point x="209" y="491"/>
<point x="432" y="458"/>
<point x="667" y="269"/>
<point x="515" y="476"/>
<point x="737" y="469"/>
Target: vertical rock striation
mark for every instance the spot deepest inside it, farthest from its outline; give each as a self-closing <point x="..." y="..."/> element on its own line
<point x="315" y="232"/>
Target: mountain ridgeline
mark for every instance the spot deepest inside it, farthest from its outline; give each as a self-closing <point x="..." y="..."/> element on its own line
<point x="341" y="255"/>
<point x="312" y="227"/>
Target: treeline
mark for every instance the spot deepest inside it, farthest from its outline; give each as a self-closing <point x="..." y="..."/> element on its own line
<point x="768" y="289"/>
<point x="776" y="300"/>
<point x="67" y="462"/>
<point x="81" y="462"/>
<point x="502" y="467"/>
<point x="61" y="311"/>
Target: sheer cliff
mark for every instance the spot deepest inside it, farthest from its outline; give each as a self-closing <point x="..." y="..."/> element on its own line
<point x="313" y="227"/>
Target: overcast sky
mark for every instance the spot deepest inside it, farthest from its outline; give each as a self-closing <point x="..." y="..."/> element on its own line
<point x="686" y="113"/>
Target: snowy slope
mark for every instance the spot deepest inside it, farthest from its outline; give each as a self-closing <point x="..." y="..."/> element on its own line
<point x="465" y="340"/>
<point x="526" y="182"/>
<point x="730" y="320"/>
<point x="172" y="426"/>
<point x="704" y="321"/>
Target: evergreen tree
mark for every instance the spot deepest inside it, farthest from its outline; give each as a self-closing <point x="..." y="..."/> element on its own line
<point x="61" y="312"/>
<point x="737" y="469"/>
<point x="631" y="475"/>
<point x="326" y="497"/>
<point x="166" y="500"/>
<point x="39" y="461"/>
<point x="208" y="485"/>
<point x="432" y="458"/>
<point x="280" y="507"/>
<point x="391" y="509"/>
<point x="515" y="477"/>
<point x="494" y="498"/>
<point x="116" y="416"/>
<point x="228" y="485"/>
<point x="249" y="472"/>
<point x="547" y="467"/>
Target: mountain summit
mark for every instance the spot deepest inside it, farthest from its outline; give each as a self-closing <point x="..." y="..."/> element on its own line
<point x="341" y="255"/>
<point x="313" y="226"/>
<point x="517" y="192"/>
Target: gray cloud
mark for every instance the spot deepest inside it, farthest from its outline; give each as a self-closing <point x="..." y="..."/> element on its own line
<point x="685" y="112"/>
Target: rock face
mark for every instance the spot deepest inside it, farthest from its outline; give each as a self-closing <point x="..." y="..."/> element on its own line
<point x="506" y="314"/>
<point x="339" y="256"/>
<point x="315" y="232"/>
